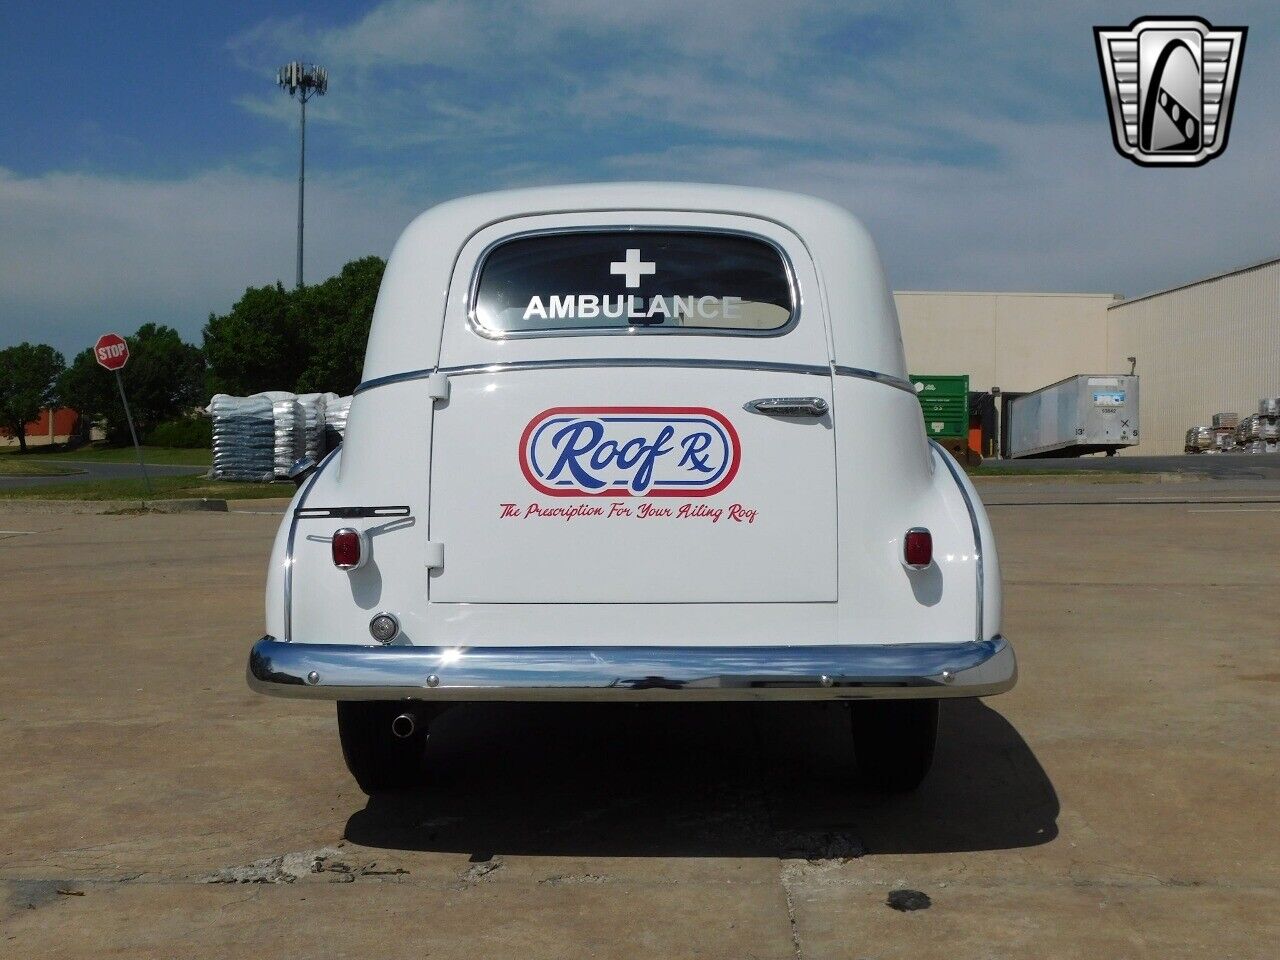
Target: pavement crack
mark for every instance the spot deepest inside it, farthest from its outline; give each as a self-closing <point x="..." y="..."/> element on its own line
<point x="284" y="868"/>
<point x="561" y="879"/>
<point x="481" y="869"/>
<point x="796" y="949"/>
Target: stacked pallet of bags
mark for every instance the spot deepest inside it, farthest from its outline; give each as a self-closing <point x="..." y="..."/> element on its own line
<point x="314" y="411"/>
<point x="244" y="438"/>
<point x="1260" y="432"/>
<point x="1199" y="439"/>
<point x="259" y="438"/>
<point x="335" y="420"/>
<point x="290" y="422"/>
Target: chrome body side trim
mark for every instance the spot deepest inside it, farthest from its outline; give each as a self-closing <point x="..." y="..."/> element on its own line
<point x="848" y="672"/>
<point x="887" y="379"/>
<point x="980" y="560"/>
<point x="288" y="550"/>
<point x="473" y="288"/>
<point x="811" y="369"/>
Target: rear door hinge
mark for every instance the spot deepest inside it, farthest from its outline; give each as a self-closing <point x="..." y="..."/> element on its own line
<point x="438" y="386"/>
<point x="435" y="554"/>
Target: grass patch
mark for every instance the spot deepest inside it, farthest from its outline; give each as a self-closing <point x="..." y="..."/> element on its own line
<point x="103" y="454"/>
<point x="164" y="488"/>
<point x="24" y="467"/>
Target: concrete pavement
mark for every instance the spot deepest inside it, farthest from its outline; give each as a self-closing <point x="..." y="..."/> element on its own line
<point x="1118" y="803"/>
<point x="1228" y="466"/>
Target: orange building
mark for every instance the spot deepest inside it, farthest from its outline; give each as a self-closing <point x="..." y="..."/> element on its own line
<point x="52" y="426"/>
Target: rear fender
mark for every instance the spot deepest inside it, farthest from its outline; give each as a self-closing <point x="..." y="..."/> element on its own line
<point x="891" y="479"/>
<point x="326" y="604"/>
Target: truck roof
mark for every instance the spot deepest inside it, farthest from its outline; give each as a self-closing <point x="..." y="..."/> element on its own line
<point x="636" y="195"/>
<point x="865" y="330"/>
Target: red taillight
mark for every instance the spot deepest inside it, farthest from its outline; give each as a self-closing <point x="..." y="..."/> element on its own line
<point x="917" y="548"/>
<point x="346" y="548"/>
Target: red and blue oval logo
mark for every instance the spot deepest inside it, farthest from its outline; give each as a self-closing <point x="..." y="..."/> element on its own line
<point x="629" y="452"/>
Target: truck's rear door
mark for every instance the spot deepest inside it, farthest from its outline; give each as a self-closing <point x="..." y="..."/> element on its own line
<point x="636" y="414"/>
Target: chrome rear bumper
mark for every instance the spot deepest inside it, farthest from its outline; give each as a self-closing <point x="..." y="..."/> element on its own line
<point x="324" y="671"/>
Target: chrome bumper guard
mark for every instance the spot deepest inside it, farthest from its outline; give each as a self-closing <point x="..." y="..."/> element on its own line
<point x="322" y="671"/>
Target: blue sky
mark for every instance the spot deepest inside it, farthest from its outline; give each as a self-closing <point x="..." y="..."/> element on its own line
<point x="148" y="164"/>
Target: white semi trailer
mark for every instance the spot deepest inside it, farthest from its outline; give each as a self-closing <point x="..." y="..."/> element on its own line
<point x="1087" y="413"/>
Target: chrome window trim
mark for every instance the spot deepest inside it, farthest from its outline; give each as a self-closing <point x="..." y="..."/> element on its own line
<point x="973" y="522"/>
<point x="769" y="366"/>
<point x="765" y="366"/>
<point x="288" y="549"/>
<point x="474" y="325"/>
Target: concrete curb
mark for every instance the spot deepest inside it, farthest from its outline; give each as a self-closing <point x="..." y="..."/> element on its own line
<point x="185" y="506"/>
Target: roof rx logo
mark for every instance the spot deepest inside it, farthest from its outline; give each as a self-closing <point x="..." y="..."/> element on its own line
<point x="629" y="452"/>
<point x="1170" y="85"/>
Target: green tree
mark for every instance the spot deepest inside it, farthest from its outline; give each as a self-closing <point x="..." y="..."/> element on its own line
<point x="336" y="315"/>
<point x="164" y="378"/>
<point x="255" y="347"/>
<point x="308" y="340"/>
<point x="28" y="379"/>
<point x="89" y="390"/>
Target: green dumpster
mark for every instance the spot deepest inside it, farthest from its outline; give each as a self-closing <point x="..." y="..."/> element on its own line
<point x="944" y="398"/>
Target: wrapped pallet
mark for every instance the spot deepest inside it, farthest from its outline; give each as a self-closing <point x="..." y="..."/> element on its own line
<point x="1199" y="439"/>
<point x="1226" y="420"/>
<point x="335" y="421"/>
<point x="1257" y="427"/>
<point x="289" y="425"/>
<point x="244" y="438"/>
<point x="314" y="406"/>
<point x="1269" y="407"/>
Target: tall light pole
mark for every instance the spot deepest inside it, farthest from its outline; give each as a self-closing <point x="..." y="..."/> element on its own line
<point x="303" y="80"/>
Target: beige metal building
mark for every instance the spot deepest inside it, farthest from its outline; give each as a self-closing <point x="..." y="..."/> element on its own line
<point x="1014" y="341"/>
<point x="1204" y="347"/>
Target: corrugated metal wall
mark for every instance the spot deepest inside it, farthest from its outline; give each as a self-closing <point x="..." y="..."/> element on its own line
<point x="1207" y="347"/>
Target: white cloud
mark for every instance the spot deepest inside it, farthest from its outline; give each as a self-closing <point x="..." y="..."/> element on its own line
<point x="81" y="252"/>
<point x="1060" y="211"/>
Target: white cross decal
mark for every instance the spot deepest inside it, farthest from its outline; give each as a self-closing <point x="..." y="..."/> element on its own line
<point x="633" y="268"/>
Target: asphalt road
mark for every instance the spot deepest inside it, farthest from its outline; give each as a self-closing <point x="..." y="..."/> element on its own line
<point x="1119" y="802"/>
<point x="1224" y="465"/>
<point x="97" y="470"/>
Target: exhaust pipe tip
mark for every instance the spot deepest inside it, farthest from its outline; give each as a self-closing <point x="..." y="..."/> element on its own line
<point x="404" y="725"/>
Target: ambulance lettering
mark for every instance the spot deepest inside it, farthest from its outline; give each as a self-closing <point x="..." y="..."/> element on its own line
<point x="655" y="310"/>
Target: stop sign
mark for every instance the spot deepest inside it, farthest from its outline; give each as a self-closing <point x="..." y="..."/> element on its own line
<point x="111" y="351"/>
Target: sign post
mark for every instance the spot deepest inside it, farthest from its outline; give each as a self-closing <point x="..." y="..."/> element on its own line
<point x="112" y="353"/>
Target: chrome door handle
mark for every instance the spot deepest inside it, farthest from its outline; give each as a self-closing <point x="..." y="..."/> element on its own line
<point x="790" y="406"/>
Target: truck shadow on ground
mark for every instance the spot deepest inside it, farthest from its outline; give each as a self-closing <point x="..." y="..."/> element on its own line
<point x="722" y="780"/>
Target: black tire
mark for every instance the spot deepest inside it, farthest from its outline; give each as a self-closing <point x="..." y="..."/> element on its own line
<point x="893" y="742"/>
<point x="377" y="758"/>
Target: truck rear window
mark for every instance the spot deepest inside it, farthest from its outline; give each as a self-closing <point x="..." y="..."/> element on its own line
<point x="637" y="280"/>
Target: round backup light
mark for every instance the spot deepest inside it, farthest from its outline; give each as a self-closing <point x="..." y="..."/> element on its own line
<point x="384" y="627"/>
